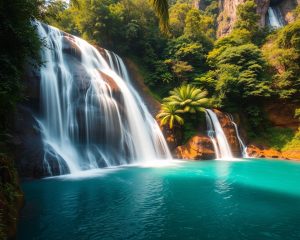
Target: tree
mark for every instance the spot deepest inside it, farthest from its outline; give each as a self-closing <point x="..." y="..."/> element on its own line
<point x="161" y="8"/>
<point x="199" y="27"/>
<point x="282" y="51"/>
<point x="188" y="98"/>
<point x="247" y="18"/>
<point x="170" y="115"/>
<point x="239" y="74"/>
<point x="19" y="43"/>
<point x="178" y="14"/>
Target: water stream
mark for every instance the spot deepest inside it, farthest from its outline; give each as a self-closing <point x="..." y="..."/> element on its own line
<point x="218" y="137"/>
<point x="242" y="145"/>
<point x="275" y="18"/>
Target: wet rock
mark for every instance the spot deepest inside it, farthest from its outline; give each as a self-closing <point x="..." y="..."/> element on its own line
<point x="291" y="154"/>
<point x="28" y="145"/>
<point x="198" y="147"/>
<point x="263" y="152"/>
<point x="173" y="136"/>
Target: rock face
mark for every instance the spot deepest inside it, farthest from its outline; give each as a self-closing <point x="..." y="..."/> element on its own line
<point x="292" y="154"/>
<point x="173" y="136"/>
<point x="286" y="7"/>
<point x="227" y="15"/>
<point x="281" y="114"/>
<point x="198" y="147"/>
<point x="263" y="152"/>
<point x="228" y="12"/>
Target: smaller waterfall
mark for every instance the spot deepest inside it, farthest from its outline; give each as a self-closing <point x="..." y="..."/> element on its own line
<point x="211" y="134"/>
<point x="217" y="135"/>
<point x="275" y="17"/>
<point x="242" y="145"/>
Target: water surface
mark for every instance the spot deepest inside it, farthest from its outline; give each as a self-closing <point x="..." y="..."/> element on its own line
<point x="248" y="199"/>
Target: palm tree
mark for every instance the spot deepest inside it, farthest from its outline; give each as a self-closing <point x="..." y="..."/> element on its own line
<point x="161" y="8"/>
<point x="170" y="115"/>
<point x="188" y="98"/>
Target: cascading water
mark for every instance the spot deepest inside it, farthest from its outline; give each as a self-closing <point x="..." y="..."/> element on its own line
<point x="275" y="17"/>
<point x="211" y="134"/>
<point x="217" y="135"/>
<point x="242" y="145"/>
<point x="91" y="115"/>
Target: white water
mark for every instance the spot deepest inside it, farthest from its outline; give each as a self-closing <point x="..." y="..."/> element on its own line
<point x="85" y="123"/>
<point x="211" y="134"/>
<point x="217" y="135"/>
<point x="275" y="18"/>
<point x="242" y="145"/>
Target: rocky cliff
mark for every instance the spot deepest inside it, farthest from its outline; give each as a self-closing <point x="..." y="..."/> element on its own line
<point x="228" y="12"/>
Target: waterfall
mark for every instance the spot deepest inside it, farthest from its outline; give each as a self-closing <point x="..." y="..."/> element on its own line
<point x="211" y="134"/>
<point x="91" y="116"/>
<point x="275" y="17"/>
<point x="216" y="133"/>
<point x="242" y="145"/>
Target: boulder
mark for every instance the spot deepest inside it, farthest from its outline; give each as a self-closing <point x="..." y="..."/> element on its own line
<point x="292" y="154"/>
<point x="263" y="152"/>
<point x="199" y="147"/>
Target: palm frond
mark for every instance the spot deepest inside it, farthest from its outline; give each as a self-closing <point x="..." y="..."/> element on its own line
<point x="161" y="8"/>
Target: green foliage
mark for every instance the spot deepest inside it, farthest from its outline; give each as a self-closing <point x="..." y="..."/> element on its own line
<point x="282" y="51"/>
<point x="277" y="138"/>
<point x="189" y="131"/>
<point x="199" y="27"/>
<point x="247" y="18"/>
<point x="10" y="194"/>
<point x="184" y="106"/>
<point x="297" y="113"/>
<point x="237" y="75"/>
<point x="294" y="143"/>
<point x="178" y="14"/>
<point x="19" y="42"/>
<point x="188" y="98"/>
<point x="170" y="115"/>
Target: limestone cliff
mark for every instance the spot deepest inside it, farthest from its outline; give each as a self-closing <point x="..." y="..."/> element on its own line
<point x="228" y="12"/>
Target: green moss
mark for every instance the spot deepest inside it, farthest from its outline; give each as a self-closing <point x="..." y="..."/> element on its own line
<point x="188" y="132"/>
<point x="274" y="137"/>
<point x="294" y="143"/>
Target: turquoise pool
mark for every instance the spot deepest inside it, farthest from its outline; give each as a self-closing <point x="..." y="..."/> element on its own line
<point x="246" y="199"/>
